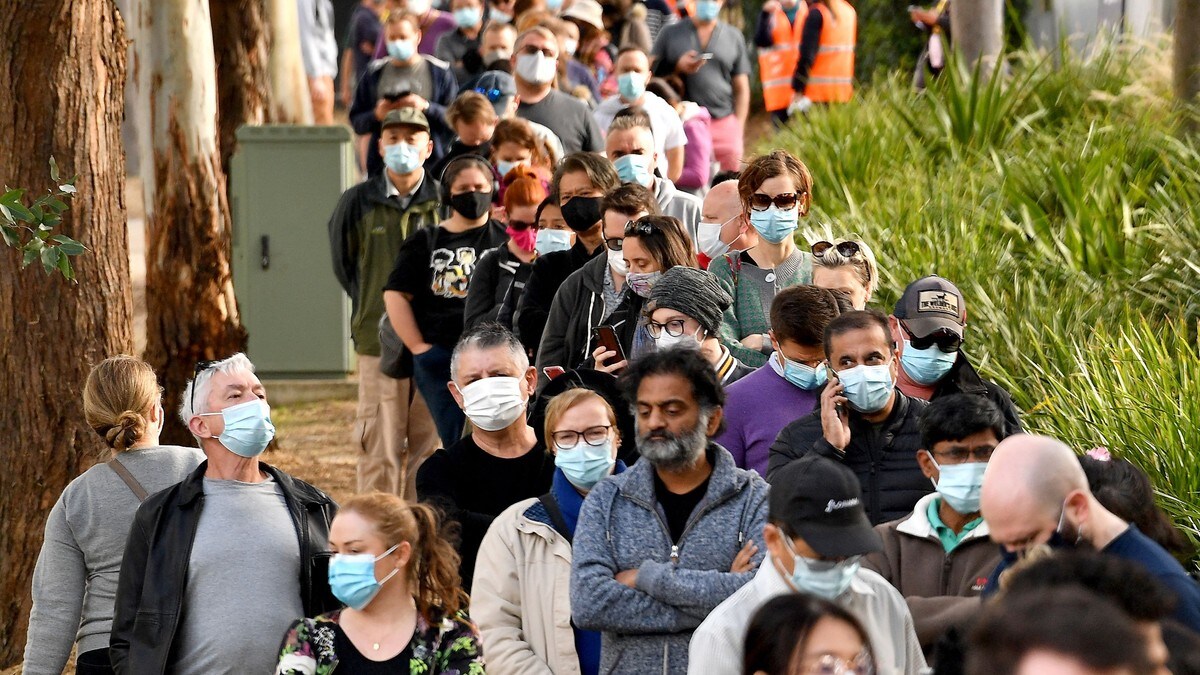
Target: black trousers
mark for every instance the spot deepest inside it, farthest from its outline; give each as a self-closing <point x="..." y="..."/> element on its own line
<point x="94" y="662"/>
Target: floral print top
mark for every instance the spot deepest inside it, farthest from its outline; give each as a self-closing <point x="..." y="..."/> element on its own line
<point x="452" y="647"/>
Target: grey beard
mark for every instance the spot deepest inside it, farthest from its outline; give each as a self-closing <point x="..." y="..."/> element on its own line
<point x="676" y="452"/>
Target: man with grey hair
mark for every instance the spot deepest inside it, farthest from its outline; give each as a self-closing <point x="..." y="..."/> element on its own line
<point x="502" y="461"/>
<point x="1035" y="493"/>
<point x="218" y="566"/>
<point x="659" y="546"/>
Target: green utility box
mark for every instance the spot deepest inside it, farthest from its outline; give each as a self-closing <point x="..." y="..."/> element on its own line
<point x="286" y="181"/>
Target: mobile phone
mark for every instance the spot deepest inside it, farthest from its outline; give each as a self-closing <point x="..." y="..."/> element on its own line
<point x="606" y="337"/>
<point x="552" y="372"/>
<point x="396" y="95"/>
<point x="706" y="56"/>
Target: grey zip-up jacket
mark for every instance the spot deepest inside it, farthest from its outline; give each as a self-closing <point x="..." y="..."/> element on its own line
<point x="622" y="527"/>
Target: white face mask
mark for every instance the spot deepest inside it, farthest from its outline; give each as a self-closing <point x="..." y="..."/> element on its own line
<point x="418" y="7"/>
<point x="616" y="260"/>
<point x="493" y="403"/>
<point x="708" y="238"/>
<point x="569" y="46"/>
<point x="536" y="68"/>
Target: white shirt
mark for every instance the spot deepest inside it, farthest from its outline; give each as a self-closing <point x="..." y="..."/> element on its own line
<point x="665" y="123"/>
<point x="717" y="645"/>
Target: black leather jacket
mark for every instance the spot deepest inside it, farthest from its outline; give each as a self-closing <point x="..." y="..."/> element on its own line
<point x="154" y="570"/>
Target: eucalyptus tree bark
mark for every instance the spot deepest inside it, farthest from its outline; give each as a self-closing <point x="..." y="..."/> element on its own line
<point x="191" y="312"/>
<point x="1187" y="53"/>
<point x="64" y="83"/>
<point x="977" y="27"/>
<point x="290" y="103"/>
<point x="242" y="47"/>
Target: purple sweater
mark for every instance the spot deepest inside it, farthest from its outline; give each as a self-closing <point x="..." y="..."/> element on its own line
<point x="437" y="24"/>
<point x="757" y="408"/>
<point x="697" y="154"/>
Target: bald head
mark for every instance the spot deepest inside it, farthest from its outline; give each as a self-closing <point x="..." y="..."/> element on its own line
<point x="721" y="203"/>
<point x="1027" y="480"/>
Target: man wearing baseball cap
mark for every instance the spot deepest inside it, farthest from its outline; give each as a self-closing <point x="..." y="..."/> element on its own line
<point x="929" y="324"/>
<point x="816" y="534"/>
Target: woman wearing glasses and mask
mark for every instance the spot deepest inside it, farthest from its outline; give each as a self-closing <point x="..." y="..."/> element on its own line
<point x="75" y="579"/>
<point x="521" y="593"/>
<point x="397" y="574"/>
<point x="801" y="634"/>
<point x="848" y="266"/>
<point x="776" y="191"/>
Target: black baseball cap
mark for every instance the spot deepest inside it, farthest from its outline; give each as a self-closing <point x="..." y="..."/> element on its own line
<point x="931" y="303"/>
<point x="820" y="501"/>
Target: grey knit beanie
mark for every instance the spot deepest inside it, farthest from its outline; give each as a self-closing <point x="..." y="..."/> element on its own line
<point x="692" y="292"/>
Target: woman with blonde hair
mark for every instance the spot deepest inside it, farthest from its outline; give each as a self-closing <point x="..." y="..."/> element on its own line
<point x="846" y="265"/>
<point x="394" y="568"/>
<point x="521" y="592"/>
<point x="75" y="579"/>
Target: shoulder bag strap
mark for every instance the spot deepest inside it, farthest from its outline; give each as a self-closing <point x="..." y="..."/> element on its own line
<point x="133" y="484"/>
<point x="556" y="516"/>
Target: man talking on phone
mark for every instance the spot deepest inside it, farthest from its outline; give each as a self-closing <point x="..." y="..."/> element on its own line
<point x="863" y="420"/>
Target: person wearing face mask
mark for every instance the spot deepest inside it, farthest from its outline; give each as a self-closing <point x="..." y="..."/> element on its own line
<point x="710" y="57"/>
<point x="661" y="545"/>
<point x="929" y="323"/>
<point x="238" y="543"/>
<point x="580" y="183"/>
<point x="765" y="401"/>
<point x="516" y="146"/>
<point x="535" y="67"/>
<point x="695" y="175"/>
<point x="573" y="76"/>
<point x="523" y="571"/>
<point x="939" y="556"/>
<point x="406" y="79"/>
<point x="723" y="227"/>
<point x="633" y="74"/>
<point x="396" y="573"/>
<point x="631" y="148"/>
<point x="363" y="36"/>
<point x="503" y="271"/>
<point x="1035" y="493"/>
<point x="434" y="24"/>
<point x="80" y="558"/>
<point x="816" y="535"/>
<point x="474" y="122"/>
<point x="453" y="47"/>
<point x="494" y="55"/>
<point x="426" y="293"/>
<point x="501" y="461"/>
<point x="775" y="191"/>
<point x="862" y="420"/>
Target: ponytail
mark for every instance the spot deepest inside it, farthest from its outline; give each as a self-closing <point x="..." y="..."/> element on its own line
<point x="433" y="576"/>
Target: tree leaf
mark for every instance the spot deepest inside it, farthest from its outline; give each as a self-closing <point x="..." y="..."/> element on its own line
<point x="68" y="245"/>
<point x="8" y="215"/>
<point x="20" y="212"/>
<point x="64" y="266"/>
<point x="67" y="188"/>
<point x="53" y="169"/>
<point x="11" y="197"/>
<point x="10" y="235"/>
<point x="29" y="257"/>
<point x="50" y="256"/>
<point x="51" y="220"/>
<point x="56" y="205"/>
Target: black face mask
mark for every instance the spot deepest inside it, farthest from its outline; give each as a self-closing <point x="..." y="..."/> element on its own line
<point x="581" y="213"/>
<point x="471" y="205"/>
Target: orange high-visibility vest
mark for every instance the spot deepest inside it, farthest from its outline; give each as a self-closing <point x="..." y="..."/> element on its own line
<point x="777" y="63"/>
<point x="831" y="78"/>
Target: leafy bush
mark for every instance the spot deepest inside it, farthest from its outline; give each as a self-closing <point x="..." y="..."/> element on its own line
<point x="1063" y="204"/>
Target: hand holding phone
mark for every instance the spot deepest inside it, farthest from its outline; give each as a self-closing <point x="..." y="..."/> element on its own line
<point x="606" y="340"/>
<point x="835" y="423"/>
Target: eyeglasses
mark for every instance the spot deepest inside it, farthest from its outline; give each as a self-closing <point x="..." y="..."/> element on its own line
<point x="963" y="455"/>
<point x="521" y="225"/>
<point x="674" y="328"/>
<point x="946" y="340"/>
<point x="833" y="665"/>
<point x="593" y="436"/>
<point x="201" y="366"/>
<point x="783" y="202"/>
<point x="492" y="95"/>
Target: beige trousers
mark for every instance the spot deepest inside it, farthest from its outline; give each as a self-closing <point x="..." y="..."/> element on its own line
<point x="394" y="429"/>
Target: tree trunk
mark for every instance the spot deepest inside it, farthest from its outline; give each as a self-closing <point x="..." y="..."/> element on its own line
<point x="64" y="81"/>
<point x="290" y="103"/>
<point x="978" y="30"/>
<point x="191" y="310"/>
<point x="1187" y="52"/>
<point x="242" y="46"/>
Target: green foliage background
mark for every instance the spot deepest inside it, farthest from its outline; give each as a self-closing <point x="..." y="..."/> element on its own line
<point x="1063" y="202"/>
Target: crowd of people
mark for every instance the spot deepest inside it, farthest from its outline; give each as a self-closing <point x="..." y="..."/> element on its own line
<point x="614" y="416"/>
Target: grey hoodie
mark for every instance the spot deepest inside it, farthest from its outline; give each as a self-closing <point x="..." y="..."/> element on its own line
<point x="621" y="527"/>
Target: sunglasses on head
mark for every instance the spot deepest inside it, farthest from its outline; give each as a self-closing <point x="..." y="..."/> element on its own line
<point x="521" y="225"/>
<point x="639" y="228"/>
<point x="201" y="367"/>
<point x="946" y="340"/>
<point x="846" y="249"/>
<point x="783" y="202"/>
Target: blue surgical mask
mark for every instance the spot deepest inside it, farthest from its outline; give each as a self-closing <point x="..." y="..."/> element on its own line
<point x="467" y="17"/>
<point x="585" y="465"/>
<point x="926" y="366"/>
<point x="824" y="578"/>
<point x="634" y="169"/>
<point x="960" y="484"/>
<point x="799" y="374"/>
<point x="868" y="388"/>
<point x="554" y="5"/>
<point x="642" y="282"/>
<point x="707" y="10"/>
<point x="401" y="158"/>
<point x="775" y="225"/>
<point x="248" y="428"/>
<point x="631" y="86"/>
<point x="499" y="16"/>
<point x="549" y="241"/>
<point x="401" y="50"/>
<point x="352" y="577"/>
<point x="504" y="166"/>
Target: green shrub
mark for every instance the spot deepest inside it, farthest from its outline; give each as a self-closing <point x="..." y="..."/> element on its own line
<point x="1063" y="204"/>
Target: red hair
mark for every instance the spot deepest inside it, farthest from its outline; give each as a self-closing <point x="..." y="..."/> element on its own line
<point x="523" y="187"/>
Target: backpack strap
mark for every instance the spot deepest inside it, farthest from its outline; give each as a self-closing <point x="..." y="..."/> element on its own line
<point x="556" y="516"/>
<point x="132" y="483"/>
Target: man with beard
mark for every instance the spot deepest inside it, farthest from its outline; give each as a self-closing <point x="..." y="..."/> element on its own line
<point x="1035" y="493"/>
<point x="659" y="546"/>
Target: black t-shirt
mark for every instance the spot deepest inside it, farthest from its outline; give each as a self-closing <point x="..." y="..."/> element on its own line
<point x="472" y="487"/>
<point x="352" y="662"/>
<point x="678" y="507"/>
<point x="435" y="266"/>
